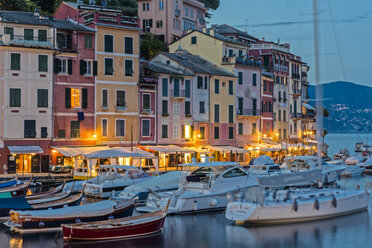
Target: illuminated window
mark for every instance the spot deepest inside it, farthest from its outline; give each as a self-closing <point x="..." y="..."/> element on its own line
<point x="188" y="132"/>
<point x="75" y="98"/>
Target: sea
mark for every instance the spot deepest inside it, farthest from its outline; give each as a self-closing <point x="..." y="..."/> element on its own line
<point x="213" y="230"/>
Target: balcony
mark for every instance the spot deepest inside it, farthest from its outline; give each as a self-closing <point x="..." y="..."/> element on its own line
<point x="248" y="112"/>
<point x="282" y="68"/>
<point x="121" y="108"/>
<point x="26" y="41"/>
<point x="228" y="60"/>
<point x="296" y="76"/>
<point x="297" y="115"/>
<point x="248" y="61"/>
<point x="297" y="92"/>
<point x="147" y="112"/>
<point x="178" y="94"/>
<point x="177" y="12"/>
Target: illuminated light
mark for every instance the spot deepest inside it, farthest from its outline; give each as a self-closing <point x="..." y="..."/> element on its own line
<point x="277" y="134"/>
<point x="54" y="151"/>
<point x="14" y="154"/>
<point x="264" y="135"/>
<point x="94" y="135"/>
<point x="198" y="135"/>
<point x="295" y="148"/>
<point x="311" y="132"/>
<point x="250" y="148"/>
<point x="93" y="171"/>
<point x="314" y="147"/>
<point x="187" y="131"/>
<point x="32" y="154"/>
<point x="289" y="148"/>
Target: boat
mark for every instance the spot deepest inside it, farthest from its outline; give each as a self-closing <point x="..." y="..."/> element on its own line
<point x="46" y="193"/>
<point x="296" y="205"/>
<point x="367" y="165"/>
<point x="360" y="146"/>
<point x="329" y="173"/>
<point x="350" y="170"/>
<point x="264" y="165"/>
<point x="129" y="227"/>
<point x="50" y="220"/>
<point x="116" y="179"/>
<point x="140" y="191"/>
<point x="15" y="190"/>
<point x="205" y="188"/>
<point x="8" y="183"/>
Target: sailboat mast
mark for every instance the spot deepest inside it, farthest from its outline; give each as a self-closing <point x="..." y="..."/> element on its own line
<point x="318" y="92"/>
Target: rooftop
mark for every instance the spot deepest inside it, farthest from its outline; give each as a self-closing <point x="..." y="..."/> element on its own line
<point x="166" y="69"/>
<point x="226" y="29"/>
<point x="20" y="17"/>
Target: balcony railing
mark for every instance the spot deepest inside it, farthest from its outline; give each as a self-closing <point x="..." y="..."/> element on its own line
<point x="26" y="41"/>
<point x="178" y="94"/>
<point x="297" y="115"/>
<point x="249" y="112"/>
<point x="228" y="60"/>
<point x="247" y="61"/>
<point x="282" y="68"/>
<point x="121" y="108"/>
<point x="177" y="12"/>
<point x="296" y="75"/>
<point x="147" y="111"/>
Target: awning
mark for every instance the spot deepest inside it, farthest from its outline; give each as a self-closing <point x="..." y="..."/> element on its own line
<point x="226" y="149"/>
<point x="198" y="149"/>
<point x="308" y="106"/>
<point x="73" y="151"/>
<point x="25" y="149"/>
<point x="168" y="149"/>
<point x="140" y="152"/>
<point x="111" y="153"/>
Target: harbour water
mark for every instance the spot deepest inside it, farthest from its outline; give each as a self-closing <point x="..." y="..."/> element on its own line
<point x="213" y="230"/>
<point x="346" y="140"/>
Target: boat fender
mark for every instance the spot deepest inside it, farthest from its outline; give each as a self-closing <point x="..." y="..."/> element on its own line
<point x="326" y="179"/>
<point x="77" y="221"/>
<point x="358" y="186"/>
<point x="41" y="224"/>
<point x="14" y="193"/>
<point x="111" y="217"/>
<point x="195" y="206"/>
<point x="316" y="204"/>
<point x="334" y="202"/>
<point x="295" y="205"/>
<point x="214" y="202"/>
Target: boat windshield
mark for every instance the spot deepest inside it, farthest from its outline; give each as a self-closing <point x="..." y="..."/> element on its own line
<point x="293" y="164"/>
<point x="236" y="172"/>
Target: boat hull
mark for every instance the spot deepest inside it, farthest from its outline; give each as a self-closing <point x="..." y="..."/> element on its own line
<point x="276" y="213"/>
<point x="70" y="233"/>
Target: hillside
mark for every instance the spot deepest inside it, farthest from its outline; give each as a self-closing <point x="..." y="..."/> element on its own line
<point x="349" y="105"/>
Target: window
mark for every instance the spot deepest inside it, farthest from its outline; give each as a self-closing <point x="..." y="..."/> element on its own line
<point x="75" y="98"/>
<point x="75" y="129"/>
<point x="191" y="13"/>
<point x="109" y="66"/>
<point x="231" y="87"/>
<point x="254" y="79"/>
<point x="284" y="115"/>
<point x="280" y="132"/>
<point x="279" y="115"/>
<point x="88" y="41"/>
<point x="202" y="133"/>
<point x="43" y="63"/>
<point x="187" y="88"/>
<point x="254" y="128"/>
<point x="109" y="43"/>
<point x="216" y="113"/>
<point x="217" y="86"/>
<point x="202" y="107"/>
<point x="264" y="85"/>
<point x="10" y="31"/>
<point x="42" y="35"/>
<point x="144" y="6"/>
<point x="104" y="98"/>
<point x="128" y="68"/>
<point x="120" y="98"/>
<point x="176" y="131"/>
<point x="231" y="113"/>
<point x="161" y="5"/>
<point x="128" y="45"/>
<point x="216" y="132"/>
<point x="187" y="108"/>
<point x="295" y="127"/>
<point x="30" y="129"/>
<point x="120" y="127"/>
<point x="205" y="82"/>
<point x="284" y="133"/>
<point x="148" y="6"/>
<point x="86" y="67"/>
<point x="186" y="11"/>
<point x="240" y="128"/>
<point x="193" y="40"/>
<point x="146" y="101"/>
<point x="176" y="89"/>
<point x="231" y="53"/>
<point x="267" y="127"/>
<point x="15" y="98"/>
<point x="104" y="127"/>
<point x="164" y="107"/>
<point x="28" y="34"/>
<point x="61" y="66"/>
<point x="15" y="61"/>
<point x="200" y="82"/>
<point x="145" y="128"/>
<point x="61" y="133"/>
<point x="165" y="87"/>
<point x="231" y="132"/>
<point x="42" y="98"/>
<point x="164" y="131"/>
<point x="176" y="107"/>
<point x="240" y="77"/>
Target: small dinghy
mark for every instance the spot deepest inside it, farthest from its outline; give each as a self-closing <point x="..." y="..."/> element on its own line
<point x="50" y="220"/>
<point x="8" y="183"/>
<point x="46" y="194"/>
<point x="15" y="190"/>
<point x="128" y="227"/>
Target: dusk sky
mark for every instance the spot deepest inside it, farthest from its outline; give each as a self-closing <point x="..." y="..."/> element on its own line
<point x="345" y="32"/>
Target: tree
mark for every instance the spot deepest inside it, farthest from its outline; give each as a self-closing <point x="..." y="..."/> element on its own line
<point x="129" y="7"/>
<point x="150" y="46"/>
<point x="211" y="4"/>
<point x="18" y="5"/>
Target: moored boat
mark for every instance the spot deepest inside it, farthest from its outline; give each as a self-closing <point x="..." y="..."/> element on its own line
<point x="128" y="227"/>
<point x="46" y="193"/>
<point x="50" y="220"/>
<point x="15" y="190"/>
<point x="8" y="183"/>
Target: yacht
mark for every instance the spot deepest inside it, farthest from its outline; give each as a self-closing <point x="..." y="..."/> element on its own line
<point x="296" y="205"/>
<point x="206" y="187"/>
<point x="351" y="170"/>
<point x="366" y="165"/>
<point x="115" y="179"/>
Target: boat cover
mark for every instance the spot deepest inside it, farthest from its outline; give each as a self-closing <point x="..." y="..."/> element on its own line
<point x="88" y="210"/>
<point x="263" y="160"/>
<point x="8" y="183"/>
<point x="15" y="203"/>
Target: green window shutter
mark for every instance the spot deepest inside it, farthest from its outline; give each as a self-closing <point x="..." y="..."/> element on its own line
<point x="109" y="43"/>
<point x="69" y="67"/>
<point x="42" y="98"/>
<point x="68" y="98"/>
<point x="15" y="61"/>
<point x="42" y="35"/>
<point x="15" y="98"/>
<point x="231" y="114"/>
<point x="128" y="68"/>
<point x="83" y="66"/>
<point x="28" y="34"/>
<point x="85" y="98"/>
<point x="128" y="41"/>
<point x="56" y="65"/>
<point x="109" y="70"/>
<point x="193" y="40"/>
<point x="104" y="98"/>
<point x="254" y="79"/>
<point x="94" y="68"/>
<point x="10" y="31"/>
<point x="240" y="77"/>
<point x="43" y="63"/>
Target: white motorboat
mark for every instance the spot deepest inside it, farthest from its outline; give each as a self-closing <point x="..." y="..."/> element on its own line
<point x="350" y="170"/>
<point x="367" y="165"/>
<point x="205" y="188"/>
<point x="116" y="179"/>
<point x="296" y="205"/>
<point x="271" y="175"/>
<point x="330" y="173"/>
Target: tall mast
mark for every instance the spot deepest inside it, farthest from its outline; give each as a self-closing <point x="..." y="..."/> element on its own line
<point x="318" y="91"/>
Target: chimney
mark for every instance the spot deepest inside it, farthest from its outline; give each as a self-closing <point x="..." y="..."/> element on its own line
<point x="211" y="32"/>
<point x="205" y="30"/>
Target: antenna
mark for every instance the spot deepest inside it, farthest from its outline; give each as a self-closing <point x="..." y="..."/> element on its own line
<point x="246" y="25"/>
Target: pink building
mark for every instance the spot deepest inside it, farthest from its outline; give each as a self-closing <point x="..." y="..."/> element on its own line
<point x="170" y="19"/>
<point x="267" y="105"/>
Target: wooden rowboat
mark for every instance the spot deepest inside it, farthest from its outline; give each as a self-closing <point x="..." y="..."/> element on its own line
<point x="8" y="183"/>
<point x="16" y="190"/>
<point x="45" y="194"/>
<point x="128" y="227"/>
